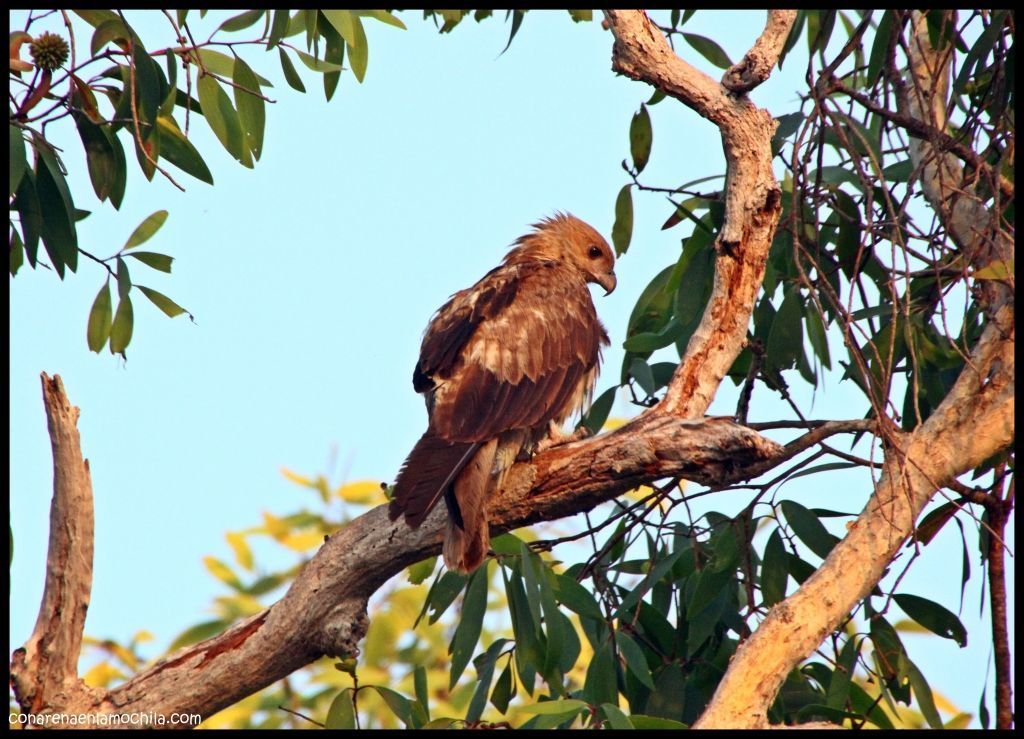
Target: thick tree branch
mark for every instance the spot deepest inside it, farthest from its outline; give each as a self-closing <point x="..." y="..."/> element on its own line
<point x="45" y="670"/>
<point x="973" y="422"/>
<point x="324" y="611"/>
<point x="756" y="65"/>
<point x="752" y="205"/>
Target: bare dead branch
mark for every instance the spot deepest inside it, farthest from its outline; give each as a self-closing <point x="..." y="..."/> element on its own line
<point x="752" y="204"/>
<point x="324" y="611"/>
<point x="46" y="668"/>
<point x="756" y="65"/>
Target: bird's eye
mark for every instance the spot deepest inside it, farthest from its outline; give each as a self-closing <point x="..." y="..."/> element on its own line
<point x="593" y="252"/>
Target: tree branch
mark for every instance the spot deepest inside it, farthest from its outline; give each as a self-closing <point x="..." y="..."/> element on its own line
<point x="324" y="610"/>
<point x="752" y="202"/>
<point x="45" y="670"/>
<point x="756" y="66"/>
<point x="973" y="422"/>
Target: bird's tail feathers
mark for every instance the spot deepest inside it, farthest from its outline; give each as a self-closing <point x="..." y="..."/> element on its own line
<point x="429" y="470"/>
<point x="468" y="537"/>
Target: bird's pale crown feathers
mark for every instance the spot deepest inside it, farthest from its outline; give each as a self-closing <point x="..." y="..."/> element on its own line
<point x="565" y="238"/>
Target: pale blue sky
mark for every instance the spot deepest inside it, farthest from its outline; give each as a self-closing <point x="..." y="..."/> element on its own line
<point x="312" y="277"/>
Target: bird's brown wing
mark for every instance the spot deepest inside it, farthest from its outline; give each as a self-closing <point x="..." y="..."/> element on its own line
<point x="521" y="365"/>
<point x="516" y="350"/>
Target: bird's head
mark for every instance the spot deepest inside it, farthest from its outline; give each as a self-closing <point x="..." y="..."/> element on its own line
<point x="567" y="239"/>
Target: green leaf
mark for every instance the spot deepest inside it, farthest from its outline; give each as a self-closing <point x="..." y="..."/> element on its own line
<point x="640" y="138"/>
<point x="576" y="597"/>
<point x="18" y="161"/>
<point x="808" y="528"/>
<point x="178" y="150"/>
<point x="198" y="632"/>
<point x="600" y="684"/>
<point x="30" y="215"/>
<point x="95" y="17"/>
<point x="923" y="694"/>
<point x="251" y="113"/>
<point x="615" y="717"/>
<point x="384" y="17"/>
<point x="708" y="49"/>
<point x="524" y="628"/>
<point x="467" y="633"/>
<point x="622" y="230"/>
<point x="504" y="689"/>
<point x="597" y="415"/>
<point x="786" y="338"/>
<point x="162" y="302"/>
<point x="334" y="54"/>
<point x="17" y="254"/>
<point x="102" y="160"/>
<point x="121" y="329"/>
<point x="842" y="676"/>
<point x="149" y="89"/>
<point x="774" y="570"/>
<point x="635" y="660"/>
<point x="223" y="119"/>
<point x="398" y="703"/>
<point x="98" y="330"/>
<point x="341" y="714"/>
<point x="932" y="523"/>
<point x="934" y="617"/>
<point x="278" y="28"/>
<point x="517" y="21"/>
<point x="57" y="208"/>
<point x="420" y="571"/>
<point x="161" y="262"/>
<point x="124" y="281"/>
<point x="443" y="593"/>
<point x="880" y="46"/>
<point x="484" y="665"/>
<point x="224" y="65"/>
<point x="290" y="75"/>
<point x="564" y="705"/>
<point x="420" y="686"/>
<point x="111" y="29"/>
<point x="145" y="230"/>
<point x="358" y="50"/>
<point x="641" y="721"/>
<point x="317" y="65"/>
<point x="342" y="22"/>
<point x="641" y="372"/>
<point x="241" y="21"/>
<point x="816" y="334"/>
<point x="580" y="16"/>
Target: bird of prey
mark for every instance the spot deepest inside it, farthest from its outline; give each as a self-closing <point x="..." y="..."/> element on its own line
<point x="502" y="365"/>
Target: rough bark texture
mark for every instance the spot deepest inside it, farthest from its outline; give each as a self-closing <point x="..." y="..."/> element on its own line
<point x="752" y="205"/>
<point x="973" y="422"/>
<point x="324" y="611"/>
<point x="43" y="672"/>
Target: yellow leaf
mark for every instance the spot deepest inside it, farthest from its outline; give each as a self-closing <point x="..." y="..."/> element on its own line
<point x="364" y="491"/>
<point x="996" y="270"/>
<point x="613" y="423"/>
<point x="297" y="478"/>
<point x="221" y="571"/>
<point x="303" y="541"/>
<point x="275" y="526"/>
<point x="242" y="552"/>
<point x="102" y="675"/>
<point x="142" y="636"/>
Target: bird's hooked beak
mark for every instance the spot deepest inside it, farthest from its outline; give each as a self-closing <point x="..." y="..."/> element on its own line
<point x="607" y="281"/>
